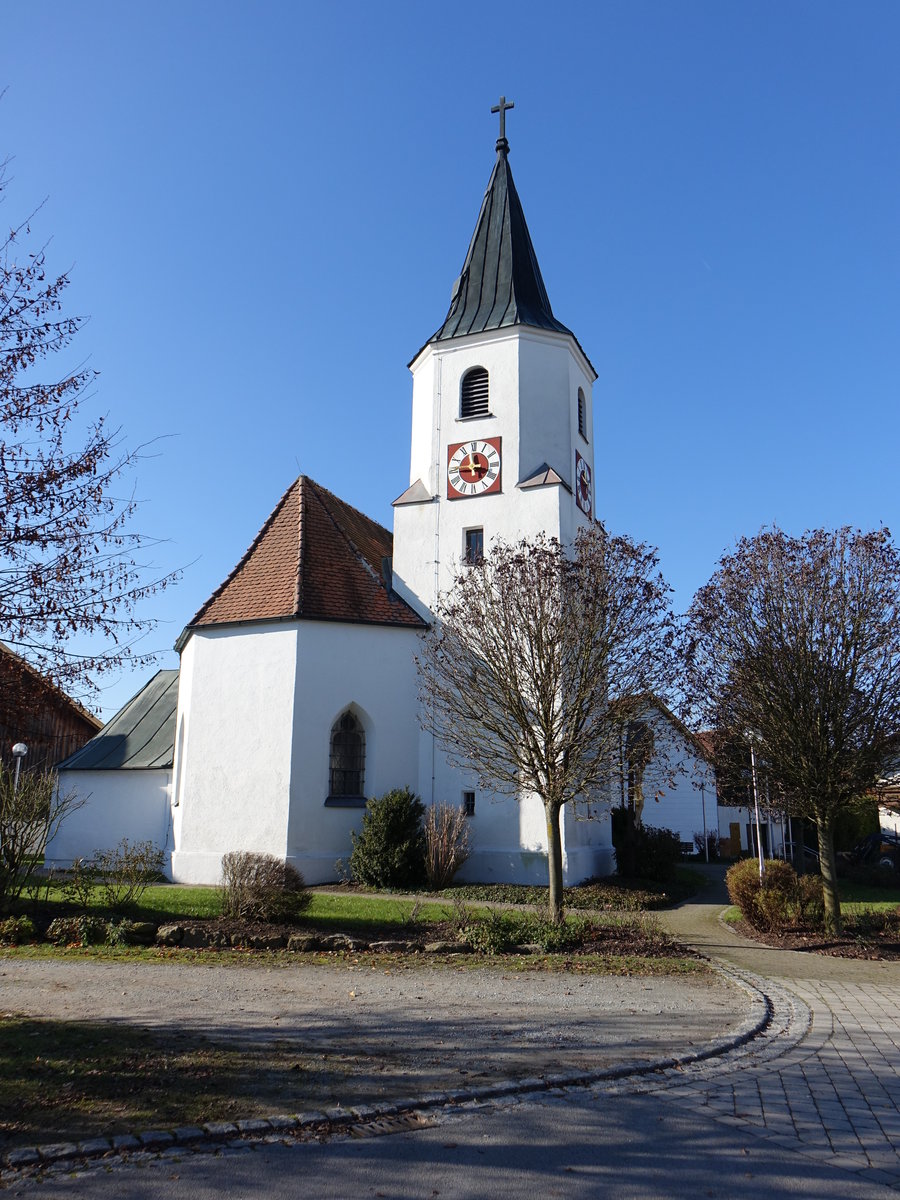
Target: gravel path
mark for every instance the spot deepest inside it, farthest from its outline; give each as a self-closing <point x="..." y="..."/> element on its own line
<point x="433" y="1027"/>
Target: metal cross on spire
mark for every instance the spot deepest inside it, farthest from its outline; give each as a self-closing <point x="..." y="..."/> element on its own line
<point x="502" y="143"/>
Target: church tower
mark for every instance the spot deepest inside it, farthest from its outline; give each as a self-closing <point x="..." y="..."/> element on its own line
<point x="502" y="442"/>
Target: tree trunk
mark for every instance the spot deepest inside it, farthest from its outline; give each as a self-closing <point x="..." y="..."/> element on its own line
<point x="828" y="867"/>
<point x="554" y="862"/>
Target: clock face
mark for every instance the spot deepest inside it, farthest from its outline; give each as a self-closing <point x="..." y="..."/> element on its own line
<point x="583" y="494"/>
<point x="473" y="468"/>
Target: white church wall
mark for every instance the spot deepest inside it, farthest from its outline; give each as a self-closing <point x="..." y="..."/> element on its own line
<point x="117" y="804"/>
<point x="587" y="844"/>
<point x="507" y="839"/>
<point x="534" y="378"/>
<point x="370" y="669"/>
<point x="550" y="373"/>
<point x="233" y="746"/>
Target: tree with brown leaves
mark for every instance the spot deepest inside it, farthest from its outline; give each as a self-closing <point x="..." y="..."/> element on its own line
<point x="70" y="578"/>
<point x="795" y="644"/>
<point x="541" y="657"/>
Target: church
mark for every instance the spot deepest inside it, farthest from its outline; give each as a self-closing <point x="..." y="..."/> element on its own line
<point x="296" y="696"/>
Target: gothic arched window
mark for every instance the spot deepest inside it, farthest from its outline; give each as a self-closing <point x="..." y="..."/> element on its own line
<point x="474" y="393"/>
<point x="346" y="776"/>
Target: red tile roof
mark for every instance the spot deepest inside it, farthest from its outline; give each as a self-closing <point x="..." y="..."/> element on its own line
<point x="316" y="558"/>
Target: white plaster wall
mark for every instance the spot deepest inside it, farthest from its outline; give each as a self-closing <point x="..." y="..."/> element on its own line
<point x="233" y="746"/>
<point x="889" y="819"/>
<point x="680" y="805"/>
<point x="369" y="668"/>
<point x="117" y="805"/>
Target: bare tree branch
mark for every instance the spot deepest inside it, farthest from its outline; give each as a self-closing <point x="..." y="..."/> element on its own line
<point x="540" y="657"/>
<point x="795" y="642"/>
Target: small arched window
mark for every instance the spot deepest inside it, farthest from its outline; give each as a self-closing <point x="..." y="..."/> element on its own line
<point x="346" y="776"/>
<point x="582" y="414"/>
<point x="474" y="393"/>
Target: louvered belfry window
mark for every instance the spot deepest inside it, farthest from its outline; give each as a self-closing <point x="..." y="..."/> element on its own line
<point x="582" y="414"/>
<point x="348" y="757"/>
<point x="474" y="394"/>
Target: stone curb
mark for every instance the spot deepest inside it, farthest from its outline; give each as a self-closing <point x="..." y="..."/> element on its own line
<point x="760" y="1016"/>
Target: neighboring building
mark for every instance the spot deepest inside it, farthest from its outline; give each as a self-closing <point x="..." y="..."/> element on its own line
<point x="298" y="692"/>
<point x="124" y="776"/>
<point x="36" y="712"/>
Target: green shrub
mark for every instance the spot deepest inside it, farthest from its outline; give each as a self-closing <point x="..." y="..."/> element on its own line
<point x="660" y="853"/>
<point x="742" y="881"/>
<point x="642" y="851"/>
<point x="389" y="850"/>
<point x="778" y="899"/>
<point x="782" y="902"/>
<point x="811" y="901"/>
<point x="77" y="931"/>
<point x="261" y="887"/>
<point x="16" y="930"/>
<point x="500" y="931"/>
<point x="495" y="933"/>
<point x="555" y="938"/>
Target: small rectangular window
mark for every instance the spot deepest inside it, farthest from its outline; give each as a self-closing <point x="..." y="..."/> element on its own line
<point x="474" y="546"/>
<point x="469" y="804"/>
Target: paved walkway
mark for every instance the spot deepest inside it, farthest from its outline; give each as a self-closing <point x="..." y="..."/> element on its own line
<point x="825" y="1081"/>
<point x="820" y="1086"/>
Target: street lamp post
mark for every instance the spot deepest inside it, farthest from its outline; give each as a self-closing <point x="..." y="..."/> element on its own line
<point x="19" y="751"/>
<point x="705" y="834"/>
<point x="759" y="848"/>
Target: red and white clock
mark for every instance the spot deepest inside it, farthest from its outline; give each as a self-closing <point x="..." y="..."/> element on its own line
<point x="473" y="468"/>
<point x="584" y="497"/>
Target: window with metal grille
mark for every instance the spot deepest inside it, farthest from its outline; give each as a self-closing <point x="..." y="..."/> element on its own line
<point x="348" y="757"/>
<point x="582" y="414"/>
<point x="469" y="804"/>
<point x="474" y="546"/>
<point x="474" y="393"/>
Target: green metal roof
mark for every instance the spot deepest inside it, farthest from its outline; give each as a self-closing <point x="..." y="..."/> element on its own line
<point x="139" y="737"/>
<point x="500" y="283"/>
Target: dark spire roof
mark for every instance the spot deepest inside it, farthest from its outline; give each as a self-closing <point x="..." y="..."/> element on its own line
<point x="500" y="283"/>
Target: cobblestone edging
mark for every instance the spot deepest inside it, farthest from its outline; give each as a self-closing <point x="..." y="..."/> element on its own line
<point x="771" y="1011"/>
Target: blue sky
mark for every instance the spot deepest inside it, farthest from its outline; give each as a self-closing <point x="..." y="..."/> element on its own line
<point x="264" y="207"/>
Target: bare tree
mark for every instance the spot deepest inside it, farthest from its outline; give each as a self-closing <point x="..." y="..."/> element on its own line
<point x="68" y="559"/>
<point x="31" y="810"/>
<point x="795" y="643"/>
<point x="540" y="657"/>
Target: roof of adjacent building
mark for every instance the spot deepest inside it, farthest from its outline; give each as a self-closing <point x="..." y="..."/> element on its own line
<point x="316" y="558"/>
<point x="500" y="283"/>
<point x="140" y="737"/>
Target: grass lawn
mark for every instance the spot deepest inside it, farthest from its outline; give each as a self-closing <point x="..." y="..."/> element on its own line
<point x="860" y="897"/>
<point x="611" y="894"/>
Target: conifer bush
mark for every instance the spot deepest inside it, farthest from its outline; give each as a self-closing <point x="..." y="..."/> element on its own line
<point x="261" y="887"/>
<point x="389" y="850"/>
